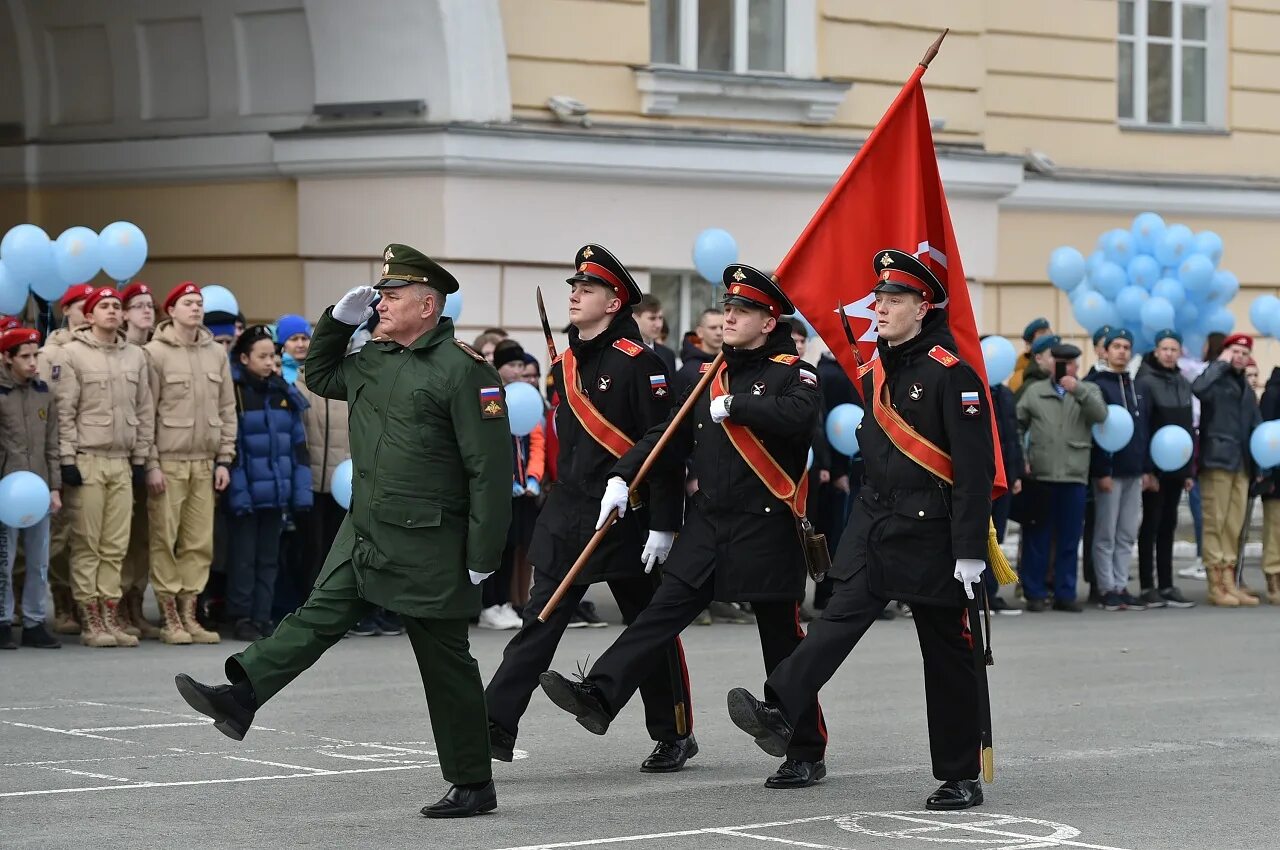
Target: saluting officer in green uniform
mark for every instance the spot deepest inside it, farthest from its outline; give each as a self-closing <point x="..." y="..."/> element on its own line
<point x="431" y="499"/>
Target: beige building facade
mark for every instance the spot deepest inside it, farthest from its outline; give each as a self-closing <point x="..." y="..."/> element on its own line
<point x="275" y="146"/>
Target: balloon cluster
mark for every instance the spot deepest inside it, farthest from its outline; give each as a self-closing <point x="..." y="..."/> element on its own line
<point x="1150" y="277"/>
<point x="31" y="262"/>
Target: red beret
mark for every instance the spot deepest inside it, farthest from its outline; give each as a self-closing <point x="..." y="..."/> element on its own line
<point x="76" y="293"/>
<point x="8" y="323"/>
<point x="14" y="337"/>
<point x="1238" y="339"/>
<point x="184" y="288"/>
<point x="134" y="289"/>
<point x="99" y="294"/>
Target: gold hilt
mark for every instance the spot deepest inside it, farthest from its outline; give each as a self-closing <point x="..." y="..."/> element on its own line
<point x="988" y="764"/>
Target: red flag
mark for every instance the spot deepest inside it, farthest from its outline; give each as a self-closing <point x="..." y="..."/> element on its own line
<point x="890" y="196"/>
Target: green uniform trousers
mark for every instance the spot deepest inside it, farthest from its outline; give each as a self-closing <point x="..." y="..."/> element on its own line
<point x="451" y="677"/>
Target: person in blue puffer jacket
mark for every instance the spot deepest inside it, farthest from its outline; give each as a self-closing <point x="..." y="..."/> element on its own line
<point x="271" y="475"/>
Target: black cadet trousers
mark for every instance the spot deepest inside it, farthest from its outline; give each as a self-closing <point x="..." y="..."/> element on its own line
<point x="950" y="679"/>
<point x="1155" y="536"/>
<point x="668" y="707"/>
<point x="634" y="655"/>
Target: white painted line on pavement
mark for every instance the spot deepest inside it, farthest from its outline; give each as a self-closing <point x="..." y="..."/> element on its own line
<point x="87" y="773"/>
<point x="227" y="781"/>
<point x="142" y="726"/>
<point x="278" y="764"/>
<point x="778" y="840"/>
<point x="71" y="732"/>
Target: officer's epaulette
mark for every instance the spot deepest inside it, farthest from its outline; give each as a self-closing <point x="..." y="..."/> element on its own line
<point x="865" y="368"/>
<point x="785" y="359"/>
<point x="946" y="358"/>
<point x="471" y="352"/>
<point x="704" y="367"/>
<point x="629" y="347"/>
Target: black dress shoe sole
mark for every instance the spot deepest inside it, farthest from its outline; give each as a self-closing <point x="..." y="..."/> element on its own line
<point x="483" y="809"/>
<point x="954" y="805"/>
<point x="742" y="711"/>
<point x="787" y="784"/>
<point x="190" y="691"/>
<point x="501" y="754"/>
<point x="647" y="767"/>
<point x="560" y="691"/>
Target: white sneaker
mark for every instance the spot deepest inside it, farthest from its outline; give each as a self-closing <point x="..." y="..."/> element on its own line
<point x="491" y="618"/>
<point x="1195" y="571"/>
<point x="510" y="616"/>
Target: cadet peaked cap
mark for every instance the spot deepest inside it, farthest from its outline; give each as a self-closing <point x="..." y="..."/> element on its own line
<point x="14" y="337"/>
<point x="1118" y="333"/>
<point x="898" y="271"/>
<point x="8" y="323"/>
<point x="102" y="293"/>
<point x="1168" y="333"/>
<point x="79" y="292"/>
<point x="1034" y="327"/>
<point x="133" y="290"/>
<point x="402" y="265"/>
<point x="753" y="288"/>
<point x="594" y="264"/>
<point x="1044" y="343"/>
<point x="1238" y="339"/>
<point x="184" y="288"/>
<point x="1101" y="333"/>
<point x="1065" y="351"/>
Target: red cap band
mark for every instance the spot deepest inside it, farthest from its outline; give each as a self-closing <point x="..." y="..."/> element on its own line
<point x="597" y="270"/>
<point x="184" y="288"/>
<point x="758" y="295"/>
<point x="908" y="280"/>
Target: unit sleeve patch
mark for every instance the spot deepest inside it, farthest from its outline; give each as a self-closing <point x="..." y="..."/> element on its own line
<point x="491" y="403"/>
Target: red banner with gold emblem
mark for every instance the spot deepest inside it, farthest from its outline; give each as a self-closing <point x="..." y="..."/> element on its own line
<point x="592" y="420"/>
<point x="758" y="458"/>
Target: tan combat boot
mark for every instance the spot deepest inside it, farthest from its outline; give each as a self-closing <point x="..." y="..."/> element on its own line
<point x="124" y="617"/>
<point x="1246" y="600"/>
<point x="187" y="611"/>
<point x="1273" y="588"/>
<point x="111" y="620"/>
<point x="92" y="631"/>
<point x="132" y="604"/>
<point x="171" y="630"/>
<point x="64" y="612"/>
<point x="1218" y="593"/>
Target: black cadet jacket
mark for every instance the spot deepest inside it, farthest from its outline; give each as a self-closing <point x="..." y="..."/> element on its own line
<point x="627" y="382"/>
<point x="735" y="528"/>
<point x="908" y="526"/>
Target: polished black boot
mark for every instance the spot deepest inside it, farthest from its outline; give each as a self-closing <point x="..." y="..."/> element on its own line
<point x="670" y="756"/>
<point x="231" y="706"/>
<point x="463" y="801"/>
<point x="502" y="744"/>
<point x="797" y="774"/>
<point x="956" y="794"/>
<point x="760" y="720"/>
<point x="581" y="699"/>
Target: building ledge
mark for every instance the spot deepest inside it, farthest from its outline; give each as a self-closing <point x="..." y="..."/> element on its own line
<point x="667" y="90"/>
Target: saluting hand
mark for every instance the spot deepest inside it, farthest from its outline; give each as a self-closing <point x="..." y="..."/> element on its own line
<point x="356" y="306"/>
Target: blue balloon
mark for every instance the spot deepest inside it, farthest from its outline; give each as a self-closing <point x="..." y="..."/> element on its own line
<point x="1196" y="274"/>
<point x="1264" y="444"/>
<point x="1093" y="311"/>
<point x="1096" y="259"/>
<point x="1193" y="342"/>
<point x="1066" y="268"/>
<point x="712" y="251"/>
<point x="1117" y="245"/>
<point x="48" y="285"/>
<point x="1171" y="448"/>
<point x="340" y="484"/>
<point x="13" y="293"/>
<point x="452" y="305"/>
<point x="999" y="355"/>
<point x="1114" y="433"/>
<point x="76" y="255"/>
<point x="1210" y="244"/>
<point x="842" y="428"/>
<point x="1188" y="316"/>
<point x="1170" y="290"/>
<point x="1219" y="320"/>
<point x="1080" y="290"/>
<point x="1157" y="314"/>
<point x="24" y="500"/>
<point x="524" y="407"/>
<point x="27" y="253"/>
<point x="1147" y="229"/>
<point x="1109" y="279"/>
<point x="1143" y="341"/>
<point x="1143" y="271"/>
<point x="1174" y="245"/>
<point x="1224" y="287"/>
<point x="1262" y="313"/>
<point x="123" y="249"/>
<point x="1129" y="303"/>
<point x="218" y="299"/>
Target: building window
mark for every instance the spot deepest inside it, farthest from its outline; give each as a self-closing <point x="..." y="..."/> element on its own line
<point x="1171" y="63"/>
<point x="738" y="36"/>
<point x="684" y="295"/>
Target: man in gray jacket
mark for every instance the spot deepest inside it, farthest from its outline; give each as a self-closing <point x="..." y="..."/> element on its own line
<point x="1054" y="418"/>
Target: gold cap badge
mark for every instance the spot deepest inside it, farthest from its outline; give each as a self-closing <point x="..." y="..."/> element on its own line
<point x="738" y="275"/>
<point x="587" y="253"/>
<point x="388" y="256"/>
<point x="886" y="260"/>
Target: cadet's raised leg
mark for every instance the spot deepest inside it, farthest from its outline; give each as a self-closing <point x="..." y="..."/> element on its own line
<point x="780" y="637"/>
<point x="455" y="698"/>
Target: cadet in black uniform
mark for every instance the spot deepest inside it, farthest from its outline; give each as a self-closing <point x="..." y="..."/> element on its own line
<point x="912" y="536"/>
<point x="616" y="389"/>
<point x="740" y="540"/>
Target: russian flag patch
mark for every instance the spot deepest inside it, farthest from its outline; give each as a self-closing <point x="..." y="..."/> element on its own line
<point x="970" y="403"/>
<point x="491" y="406"/>
<point x="658" y="386"/>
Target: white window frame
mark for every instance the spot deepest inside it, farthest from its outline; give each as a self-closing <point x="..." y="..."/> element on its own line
<point x="1215" y="66"/>
<point x="799" y="49"/>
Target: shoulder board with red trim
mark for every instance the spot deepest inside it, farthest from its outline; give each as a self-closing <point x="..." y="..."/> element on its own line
<point x="785" y="359"/>
<point x="865" y="368"/>
<point x="629" y="347"/>
<point x="946" y="358"/>
<point x="471" y="352"/>
<point x="704" y="367"/>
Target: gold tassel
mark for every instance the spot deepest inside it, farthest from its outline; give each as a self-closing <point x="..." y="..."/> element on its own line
<point x="999" y="563"/>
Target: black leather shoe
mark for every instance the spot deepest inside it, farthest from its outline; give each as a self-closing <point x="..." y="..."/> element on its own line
<point x="463" y="802"/>
<point x="760" y="720"/>
<point x="581" y="699"/>
<point x="670" y="756"/>
<point x="502" y="744"/>
<point x="230" y="716"/>
<point x="955" y="794"/>
<point x="38" y="636"/>
<point x="797" y="774"/>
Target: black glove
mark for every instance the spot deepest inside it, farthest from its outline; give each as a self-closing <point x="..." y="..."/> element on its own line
<point x="71" y="476"/>
<point x="139" y="475"/>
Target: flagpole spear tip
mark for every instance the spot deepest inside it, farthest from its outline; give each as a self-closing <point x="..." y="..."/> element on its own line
<point x="933" y="49"/>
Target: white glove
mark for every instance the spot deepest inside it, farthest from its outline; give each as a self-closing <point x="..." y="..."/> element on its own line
<point x="476" y="577"/>
<point x="615" y="496"/>
<point x="968" y="572"/>
<point x="656" y="548"/>
<point x="355" y="307"/>
<point x="719" y="410"/>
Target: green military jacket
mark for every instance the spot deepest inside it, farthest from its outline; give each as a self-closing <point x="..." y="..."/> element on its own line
<point x="431" y="458"/>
